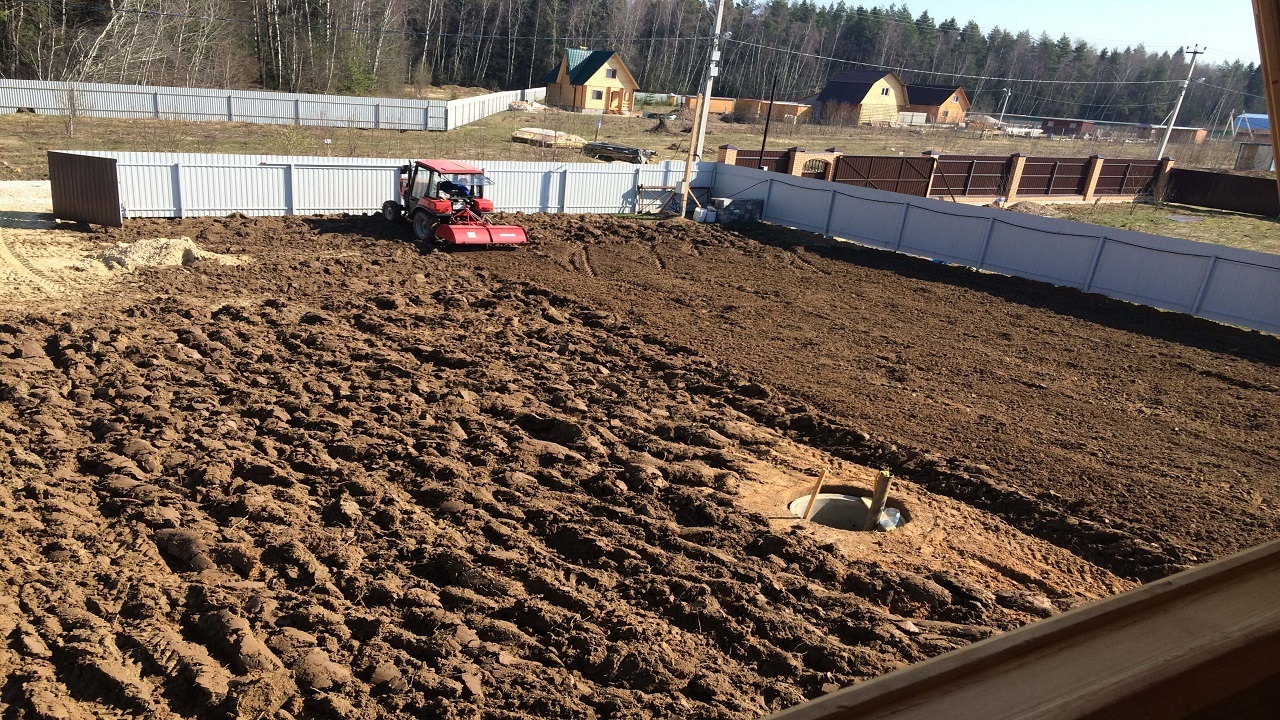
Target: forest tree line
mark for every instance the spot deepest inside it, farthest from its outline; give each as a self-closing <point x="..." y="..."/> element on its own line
<point x="367" y="47"/>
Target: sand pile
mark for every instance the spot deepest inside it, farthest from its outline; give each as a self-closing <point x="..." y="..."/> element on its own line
<point x="1034" y="208"/>
<point x="160" y="252"/>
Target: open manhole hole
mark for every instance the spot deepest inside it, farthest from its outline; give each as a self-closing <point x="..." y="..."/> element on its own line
<point x="847" y="512"/>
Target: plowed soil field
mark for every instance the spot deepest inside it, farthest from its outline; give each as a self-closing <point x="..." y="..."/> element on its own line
<point x="348" y="478"/>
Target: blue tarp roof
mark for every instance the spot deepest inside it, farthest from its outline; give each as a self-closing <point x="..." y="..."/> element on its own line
<point x="1252" y="121"/>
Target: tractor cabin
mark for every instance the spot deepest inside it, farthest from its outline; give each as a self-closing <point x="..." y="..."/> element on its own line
<point x="592" y="81"/>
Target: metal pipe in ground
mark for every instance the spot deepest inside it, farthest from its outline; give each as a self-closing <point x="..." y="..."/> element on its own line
<point x="878" y="499"/>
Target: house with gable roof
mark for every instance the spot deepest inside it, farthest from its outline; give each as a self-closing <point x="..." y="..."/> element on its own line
<point x="862" y="97"/>
<point x="942" y="104"/>
<point x="591" y="81"/>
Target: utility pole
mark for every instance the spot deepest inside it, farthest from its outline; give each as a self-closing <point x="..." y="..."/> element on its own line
<point x="1005" y="105"/>
<point x="712" y="71"/>
<point x="1173" y="118"/>
<point x="1266" y="18"/>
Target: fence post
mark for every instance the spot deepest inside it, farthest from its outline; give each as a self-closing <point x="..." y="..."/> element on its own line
<point x="764" y="208"/>
<point x="902" y="226"/>
<point x="636" y="191"/>
<point x="1093" y="265"/>
<point x="986" y="242"/>
<point x="831" y="208"/>
<point x="1204" y="284"/>
<point x="291" y="197"/>
<point x="1091" y="177"/>
<point x="564" y="189"/>
<point x="727" y="154"/>
<point x="377" y="116"/>
<point x="231" y="114"/>
<point x="933" y="170"/>
<point x="297" y="111"/>
<point x="1015" y="177"/>
<point x="178" y="200"/>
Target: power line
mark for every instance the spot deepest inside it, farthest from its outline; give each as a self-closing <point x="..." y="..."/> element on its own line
<point x="958" y="75"/>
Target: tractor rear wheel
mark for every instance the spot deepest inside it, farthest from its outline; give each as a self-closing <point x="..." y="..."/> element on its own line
<point x="391" y="211"/>
<point x="424" y="227"/>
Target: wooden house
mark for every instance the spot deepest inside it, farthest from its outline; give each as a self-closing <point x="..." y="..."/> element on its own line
<point x="591" y="81"/>
<point x="862" y="97"/>
<point x="941" y="104"/>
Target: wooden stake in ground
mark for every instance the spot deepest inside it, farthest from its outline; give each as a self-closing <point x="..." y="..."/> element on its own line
<point x="878" y="499"/>
<point x="685" y="192"/>
<point x="813" y="495"/>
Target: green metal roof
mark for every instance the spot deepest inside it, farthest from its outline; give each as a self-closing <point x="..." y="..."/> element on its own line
<point x="582" y="65"/>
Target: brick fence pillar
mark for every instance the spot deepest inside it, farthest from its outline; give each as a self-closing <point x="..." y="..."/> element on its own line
<point x="727" y="154"/>
<point x="1091" y="177"/>
<point x="1162" y="179"/>
<point x="798" y="158"/>
<point x="1015" y="177"/>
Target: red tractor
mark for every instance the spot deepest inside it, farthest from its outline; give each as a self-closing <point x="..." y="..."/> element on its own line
<point x="445" y="201"/>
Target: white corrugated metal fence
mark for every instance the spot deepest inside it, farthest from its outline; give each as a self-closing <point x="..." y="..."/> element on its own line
<point x="188" y="185"/>
<point x="1240" y="287"/>
<point x="201" y="104"/>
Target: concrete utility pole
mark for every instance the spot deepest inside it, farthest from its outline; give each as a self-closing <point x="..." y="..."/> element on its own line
<point x="712" y="71"/>
<point x="1173" y="118"/>
<point x="1005" y="105"/>
<point x="1266" y="16"/>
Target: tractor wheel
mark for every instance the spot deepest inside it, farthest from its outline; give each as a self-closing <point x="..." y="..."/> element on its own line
<point x="391" y="211"/>
<point x="424" y="227"/>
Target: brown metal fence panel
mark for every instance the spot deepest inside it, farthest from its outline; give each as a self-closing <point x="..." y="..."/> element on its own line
<point x="1127" y="177"/>
<point x="1054" y="176"/>
<point x="85" y="189"/>
<point x="774" y="160"/>
<point x="972" y="175"/>
<point x="909" y="176"/>
<point x="1224" y="191"/>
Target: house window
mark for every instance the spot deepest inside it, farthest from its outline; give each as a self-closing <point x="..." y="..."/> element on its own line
<point x="611" y="74"/>
<point x="944" y="114"/>
<point x="1050" y="123"/>
<point x="955" y="98"/>
<point x="597" y="94"/>
<point x="884" y="91"/>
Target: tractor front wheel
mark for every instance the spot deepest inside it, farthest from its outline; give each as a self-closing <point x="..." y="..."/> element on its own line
<point x="391" y="211"/>
<point x="424" y="227"/>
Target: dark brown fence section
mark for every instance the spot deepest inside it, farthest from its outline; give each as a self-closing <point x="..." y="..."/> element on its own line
<point x="85" y="189"/>
<point x="1054" y="176"/>
<point x="907" y="175"/>
<point x="1127" y="177"/>
<point x="964" y="175"/>
<point x="774" y="160"/>
<point x="1222" y="191"/>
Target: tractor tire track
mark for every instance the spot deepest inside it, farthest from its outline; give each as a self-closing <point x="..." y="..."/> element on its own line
<point x="19" y="265"/>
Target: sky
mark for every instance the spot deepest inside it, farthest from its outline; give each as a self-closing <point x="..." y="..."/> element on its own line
<point x="1225" y="27"/>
